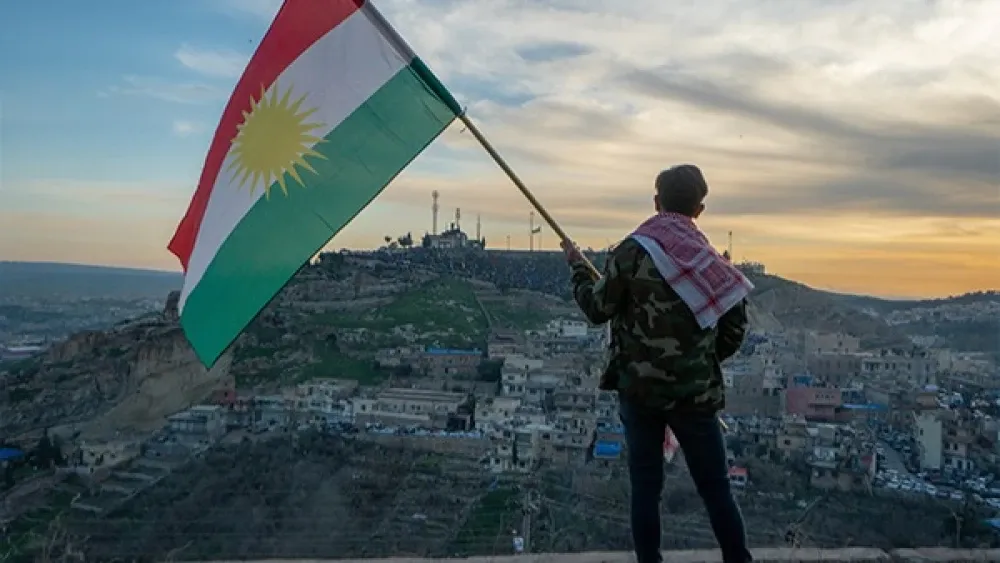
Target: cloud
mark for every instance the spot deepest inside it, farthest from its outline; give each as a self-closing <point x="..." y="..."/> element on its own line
<point x="185" y="128"/>
<point x="553" y="51"/>
<point x="803" y="111"/>
<point x="161" y="89"/>
<point x="865" y="127"/>
<point x="220" y="63"/>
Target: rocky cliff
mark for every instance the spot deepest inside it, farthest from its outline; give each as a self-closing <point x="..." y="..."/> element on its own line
<point x="126" y="379"/>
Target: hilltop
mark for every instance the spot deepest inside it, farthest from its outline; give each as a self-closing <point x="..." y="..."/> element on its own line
<point x="777" y="302"/>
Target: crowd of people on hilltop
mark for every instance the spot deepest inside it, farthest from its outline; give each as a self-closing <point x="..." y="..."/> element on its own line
<point x="537" y="271"/>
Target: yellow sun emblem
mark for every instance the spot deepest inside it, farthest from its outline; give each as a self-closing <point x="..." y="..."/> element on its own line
<point x="273" y="142"/>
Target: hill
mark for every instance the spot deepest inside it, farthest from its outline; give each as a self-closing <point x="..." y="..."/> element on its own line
<point x="74" y="281"/>
<point x="886" y="306"/>
<point x="798" y="306"/>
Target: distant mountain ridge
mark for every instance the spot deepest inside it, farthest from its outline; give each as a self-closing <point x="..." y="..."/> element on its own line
<point x="87" y="280"/>
<point x="40" y="279"/>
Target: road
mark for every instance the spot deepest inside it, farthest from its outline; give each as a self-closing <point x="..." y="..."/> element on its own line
<point x="894" y="461"/>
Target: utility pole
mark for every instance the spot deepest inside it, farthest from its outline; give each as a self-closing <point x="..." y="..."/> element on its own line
<point x="508" y="243"/>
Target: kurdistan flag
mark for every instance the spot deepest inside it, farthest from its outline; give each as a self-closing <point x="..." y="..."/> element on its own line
<point x="331" y="107"/>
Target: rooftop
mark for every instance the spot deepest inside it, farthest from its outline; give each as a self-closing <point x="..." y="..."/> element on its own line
<point x="762" y="555"/>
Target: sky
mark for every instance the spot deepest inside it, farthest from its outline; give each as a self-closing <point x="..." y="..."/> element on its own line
<point x="850" y="145"/>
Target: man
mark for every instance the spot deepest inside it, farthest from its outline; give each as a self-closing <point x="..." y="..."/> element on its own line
<point x="677" y="309"/>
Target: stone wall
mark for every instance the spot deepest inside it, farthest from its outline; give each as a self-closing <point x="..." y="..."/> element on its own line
<point x="468" y="447"/>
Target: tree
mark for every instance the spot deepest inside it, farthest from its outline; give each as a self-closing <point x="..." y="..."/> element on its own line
<point x="47" y="452"/>
<point x="388" y="240"/>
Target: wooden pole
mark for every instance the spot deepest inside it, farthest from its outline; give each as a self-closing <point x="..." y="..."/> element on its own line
<point x="524" y="189"/>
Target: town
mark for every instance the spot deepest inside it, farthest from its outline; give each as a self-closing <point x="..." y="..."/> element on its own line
<point x="460" y="353"/>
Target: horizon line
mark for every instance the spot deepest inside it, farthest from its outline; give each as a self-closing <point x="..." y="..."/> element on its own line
<point x="180" y="272"/>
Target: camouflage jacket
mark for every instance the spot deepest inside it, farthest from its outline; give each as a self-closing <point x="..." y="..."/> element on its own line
<point x="660" y="357"/>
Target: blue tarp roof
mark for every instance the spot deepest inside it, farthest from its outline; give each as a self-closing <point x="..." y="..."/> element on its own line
<point x="607" y="449"/>
<point x="10" y="453"/>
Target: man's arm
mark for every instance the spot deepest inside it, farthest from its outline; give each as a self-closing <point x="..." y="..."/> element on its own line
<point x="600" y="299"/>
<point x="732" y="331"/>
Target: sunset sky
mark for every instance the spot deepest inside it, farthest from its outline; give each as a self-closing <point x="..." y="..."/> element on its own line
<point x="850" y="145"/>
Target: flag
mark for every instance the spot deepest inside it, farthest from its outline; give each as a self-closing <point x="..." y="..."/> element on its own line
<point x="330" y="108"/>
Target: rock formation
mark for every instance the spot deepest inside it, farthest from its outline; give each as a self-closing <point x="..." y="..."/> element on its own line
<point x="126" y="379"/>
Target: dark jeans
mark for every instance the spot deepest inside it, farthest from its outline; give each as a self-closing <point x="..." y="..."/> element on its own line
<point x="702" y="442"/>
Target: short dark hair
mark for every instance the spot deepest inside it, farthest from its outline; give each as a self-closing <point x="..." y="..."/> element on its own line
<point x="681" y="189"/>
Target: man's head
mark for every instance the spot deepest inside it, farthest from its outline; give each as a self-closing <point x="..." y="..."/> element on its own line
<point x="681" y="189"/>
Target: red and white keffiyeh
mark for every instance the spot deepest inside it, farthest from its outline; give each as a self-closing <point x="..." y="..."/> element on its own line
<point x="708" y="283"/>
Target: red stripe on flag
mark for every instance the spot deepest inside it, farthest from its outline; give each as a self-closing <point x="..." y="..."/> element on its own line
<point x="298" y="25"/>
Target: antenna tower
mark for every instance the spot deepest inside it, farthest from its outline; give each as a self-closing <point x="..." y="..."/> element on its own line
<point x="434" y="212"/>
<point x="531" y="232"/>
<point x="729" y="245"/>
<point x="479" y="227"/>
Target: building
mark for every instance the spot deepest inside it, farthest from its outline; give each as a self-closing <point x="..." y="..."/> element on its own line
<point x="958" y="438"/>
<point x="820" y="343"/>
<point x="421" y="408"/>
<point x="521" y="448"/>
<point x="328" y="388"/>
<point x="98" y="460"/>
<point x="200" y="423"/>
<point x="444" y="362"/>
<point x="917" y="369"/>
<point x="515" y="371"/>
<point x="450" y="239"/>
<point x="565" y="328"/>
<point x="793" y="439"/>
<point x="835" y="369"/>
<point x="746" y="393"/>
<point x="572" y="398"/>
<point x="813" y="403"/>
<point x="927" y="433"/>
<point x="503" y="343"/>
<point x="496" y="411"/>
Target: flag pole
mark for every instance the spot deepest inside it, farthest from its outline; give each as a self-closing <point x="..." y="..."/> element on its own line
<point x="531" y="198"/>
<point x="520" y="186"/>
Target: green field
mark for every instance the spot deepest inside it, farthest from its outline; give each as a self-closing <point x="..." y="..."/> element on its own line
<point x="443" y="312"/>
<point x="333" y="363"/>
<point x="518" y="316"/>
